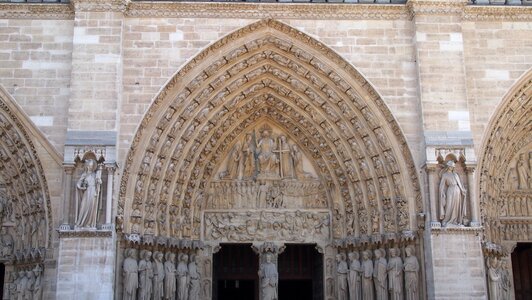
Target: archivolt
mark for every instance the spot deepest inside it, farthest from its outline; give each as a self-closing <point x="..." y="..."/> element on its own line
<point x="269" y="70"/>
<point x="25" y="201"/>
<point x="508" y="134"/>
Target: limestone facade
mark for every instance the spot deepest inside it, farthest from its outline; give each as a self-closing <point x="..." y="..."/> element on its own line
<point x="383" y="134"/>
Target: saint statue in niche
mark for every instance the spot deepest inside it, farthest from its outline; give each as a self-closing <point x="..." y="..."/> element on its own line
<point x="452" y="197"/>
<point x="265" y="150"/>
<point x="269" y="277"/>
<point x="88" y="194"/>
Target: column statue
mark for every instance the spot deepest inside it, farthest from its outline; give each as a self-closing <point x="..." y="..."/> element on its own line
<point x="506" y="282"/>
<point x="367" y="276"/>
<point x="452" y="197"/>
<point x="395" y="275"/>
<point x="158" y="276"/>
<point x="145" y="275"/>
<point x="341" y="277"/>
<point x="130" y="275"/>
<point x="355" y="270"/>
<point x="379" y="275"/>
<point x="194" y="279"/>
<point x="411" y="268"/>
<point x="494" y="278"/>
<point x="268" y="279"/>
<point x="88" y="194"/>
<point x="7" y="243"/>
<point x="37" y="286"/>
<point x="169" y="276"/>
<point x="182" y="278"/>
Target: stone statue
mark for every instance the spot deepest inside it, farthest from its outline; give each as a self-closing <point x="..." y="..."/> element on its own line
<point x="158" y="276"/>
<point x="28" y="291"/>
<point x="22" y="285"/>
<point x="286" y="166"/>
<point x="411" y="268"/>
<point x="367" y="276"/>
<point x="341" y="277"/>
<point x="182" y="278"/>
<point x="379" y="275"/>
<point x="169" y="276"/>
<point x="248" y="158"/>
<point x="355" y="270"/>
<point x="297" y="161"/>
<point x="145" y="276"/>
<point x="268" y="279"/>
<point x="194" y="279"/>
<point x="130" y="275"/>
<point x="268" y="161"/>
<point x="452" y="197"/>
<point x="494" y="278"/>
<point x="88" y="195"/>
<point x="523" y="172"/>
<point x="233" y="164"/>
<point x="506" y="282"/>
<point x="7" y="243"/>
<point x="37" y="286"/>
<point x="395" y="275"/>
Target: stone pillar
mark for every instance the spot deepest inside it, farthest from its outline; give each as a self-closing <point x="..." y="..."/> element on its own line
<point x="273" y="250"/>
<point x="472" y="190"/>
<point x="108" y="225"/>
<point x="433" y="196"/>
<point x="206" y="269"/>
<point x="67" y="198"/>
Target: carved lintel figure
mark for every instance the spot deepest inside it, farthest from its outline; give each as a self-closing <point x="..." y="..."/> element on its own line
<point x="523" y="172"/>
<point x="158" y="276"/>
<point x="411" y="267"/>
<point x="182" y="277"/>
<point x="145" y="268"/>
<point x="268" y="279"/>
<point x="194" y="279"/>
<point x="395" y="275"/>
<point x="248" y="158"/>
<point x="494" y="278"/>
<point x="169" y="276"/>
<point x="341" y="277"/>
<point x="88" y="192"/>
<point x="268" y="162"/>
<point x="130" y="275"/>
<point x="379" y="275"/>
<point x="452" y="197"/>
<point x="367" y="276"/>
<point x="355" y="270"/>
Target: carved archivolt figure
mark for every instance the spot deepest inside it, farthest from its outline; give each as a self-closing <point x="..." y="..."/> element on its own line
<point x="523" y="172"/>
<point x="145" y="276"/>
<point x="367" y="276"/>
<point x="355" y="270"/>
<point x="452" y="197"/>
<point x="88" y="191"/>
<point x="379" y="275"/>
<point x="182" y="278"/>
<point x="130" y="275"/>
<point x="268" y="277"/>
<point x="395" y="275"/>
<point x="411" y="274"/>
<point x="194" y="279"/>
<point x="158" y="276"/>
<point x="169" y="276"/>
<point x="341" y="276"/>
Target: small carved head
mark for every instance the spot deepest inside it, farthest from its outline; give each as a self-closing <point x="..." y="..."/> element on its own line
<point x="409" y="251"/>
<point x="268" y="258"/>
<point x="353" y="256"/>
<point x="450" y="165"/>
<point x="393" y="252"/>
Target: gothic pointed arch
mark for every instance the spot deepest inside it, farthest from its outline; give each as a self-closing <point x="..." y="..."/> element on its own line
<point x="505" y="179"/>
<point x="25" y="208"/>
<point x="271" y="75"/>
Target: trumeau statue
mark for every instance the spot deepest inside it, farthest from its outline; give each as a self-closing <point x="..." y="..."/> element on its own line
<point x="453" y="206"/>
<point x="88" y="195"/>
<point x="367" y="276"/>
<point x="130" y="275"/>
<point x="379" y="275"/>
<point x="182" y="278"/>
<point x="193" y="279"/>
<point x="341" y="275"/>
<point x="395" y="275"/>
<point x="169" y="276"/>
<point x="411" y="267"/>
<point x="268" y="279"/>
<point x="355" y="271"/>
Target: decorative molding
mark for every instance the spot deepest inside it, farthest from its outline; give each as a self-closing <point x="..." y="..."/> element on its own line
<point x="36" y="11"/>
<point x="84" y="233"/>
<point x="436" y="7"/>
<point x="456" y="230"/>
<point x="497" y="13"/>
<point x="99" y="5"/>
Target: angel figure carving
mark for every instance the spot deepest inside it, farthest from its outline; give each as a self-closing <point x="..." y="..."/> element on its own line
<point x="88" y="194"/>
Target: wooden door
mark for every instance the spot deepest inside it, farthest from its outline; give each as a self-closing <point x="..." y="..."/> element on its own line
<point x="522" y="271"/>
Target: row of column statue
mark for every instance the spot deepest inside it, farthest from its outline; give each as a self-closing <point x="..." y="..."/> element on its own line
<point x="147" y="279"/>
<point x="379" y="279"/>
<point x="27" y="284"/>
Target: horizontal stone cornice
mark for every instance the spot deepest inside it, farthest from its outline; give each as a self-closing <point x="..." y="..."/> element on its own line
<point x="36" y="11"/>
<point x="99" y="5"/>
<point x="493" y="13"/>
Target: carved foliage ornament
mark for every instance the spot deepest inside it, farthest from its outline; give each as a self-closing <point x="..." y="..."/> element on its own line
<point x="267" y="77"/>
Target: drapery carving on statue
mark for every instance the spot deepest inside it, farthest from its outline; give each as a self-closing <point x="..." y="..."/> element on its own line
<point x="88" y="191"/>
<point x="303" y="88"/>
<point x="289" y="226"/>
<point x="24" y="197"/>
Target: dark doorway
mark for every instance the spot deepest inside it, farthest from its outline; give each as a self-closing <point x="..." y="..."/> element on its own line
<point x="300" y="273"/>
<point x="235" y="273"/>
<point x="522" y="271"/>
<point x="2" y="280"/>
